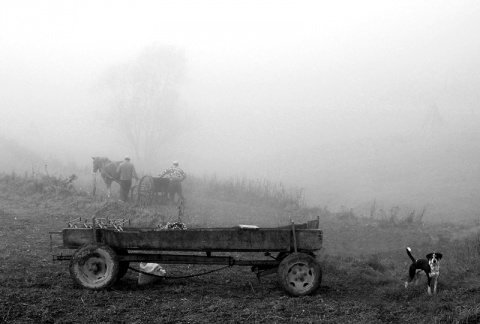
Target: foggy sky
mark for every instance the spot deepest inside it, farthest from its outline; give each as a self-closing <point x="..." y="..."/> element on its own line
<point x="304" y="92"/>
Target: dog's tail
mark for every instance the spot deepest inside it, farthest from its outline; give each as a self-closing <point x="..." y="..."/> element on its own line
<point x="409" y="252"/>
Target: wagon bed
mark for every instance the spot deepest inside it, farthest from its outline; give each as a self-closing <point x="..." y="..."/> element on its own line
<point x="103" y="253"/>
<point x="202" y="239"/>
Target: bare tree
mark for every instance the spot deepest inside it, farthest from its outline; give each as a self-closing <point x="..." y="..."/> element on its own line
<point x="142" y="96"/>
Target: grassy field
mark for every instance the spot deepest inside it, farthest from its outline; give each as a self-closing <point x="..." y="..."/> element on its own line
<point x="364" y="262"/>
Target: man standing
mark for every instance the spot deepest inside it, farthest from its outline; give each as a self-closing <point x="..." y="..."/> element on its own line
<point x="176" y="176"/>
<point x="126" y="171"/>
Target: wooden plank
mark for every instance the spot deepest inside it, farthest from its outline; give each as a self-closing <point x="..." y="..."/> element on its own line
<point x="205" y="239"/>
<point x="76" y="237"/>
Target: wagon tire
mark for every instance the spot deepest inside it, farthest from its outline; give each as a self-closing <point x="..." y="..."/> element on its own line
<point x="299" y="274"/>
<point x="123" y="265"/>
<point x="94" y="266"/>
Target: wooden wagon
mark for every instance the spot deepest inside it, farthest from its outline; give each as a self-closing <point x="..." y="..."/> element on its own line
<point x="101" y="254"/>
<point x="150" y="190"/>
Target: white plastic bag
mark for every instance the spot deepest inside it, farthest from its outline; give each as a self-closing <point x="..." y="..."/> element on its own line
<point x="154" y="269"/>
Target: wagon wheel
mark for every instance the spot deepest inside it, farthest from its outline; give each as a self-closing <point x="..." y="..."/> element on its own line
<point x="145" y="190"/>
<point x="123" y="265"/>
<point x="299" y="274"/>
<point x="94" y="266"/>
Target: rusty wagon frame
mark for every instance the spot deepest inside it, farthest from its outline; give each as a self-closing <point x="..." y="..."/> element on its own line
<point x="100" y="251"/>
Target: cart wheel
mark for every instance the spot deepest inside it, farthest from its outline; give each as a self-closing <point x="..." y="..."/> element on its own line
<point x="299" y="274"/>
<point x="123" y="265"/>
<point x="94" y="266"/>
<point x="145" y="191"/>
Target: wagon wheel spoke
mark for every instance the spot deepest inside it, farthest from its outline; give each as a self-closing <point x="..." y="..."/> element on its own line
<point x="145" y="191"/>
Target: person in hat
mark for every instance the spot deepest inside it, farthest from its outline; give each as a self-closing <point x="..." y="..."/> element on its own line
<point x="126" y="172"/>
<point x="176" y="176"/>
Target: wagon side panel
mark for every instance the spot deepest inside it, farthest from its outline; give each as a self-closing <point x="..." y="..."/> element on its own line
<point x="76" y="237"/>
<point x="200" y="240"/>
<point x="309" y="240"/>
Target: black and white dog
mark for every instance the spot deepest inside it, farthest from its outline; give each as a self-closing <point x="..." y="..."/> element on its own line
<point x="431" y="266"/>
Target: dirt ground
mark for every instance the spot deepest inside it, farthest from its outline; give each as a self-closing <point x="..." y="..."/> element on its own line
<point x="358" y="288"/>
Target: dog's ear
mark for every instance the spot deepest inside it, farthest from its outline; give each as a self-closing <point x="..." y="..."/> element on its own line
<point x="438" y="255"/>
<point x="429" y="256"/>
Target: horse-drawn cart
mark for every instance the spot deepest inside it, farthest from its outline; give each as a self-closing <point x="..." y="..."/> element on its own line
<point x="104" y="251"/>
<point x="149" y="190"/>
<point x="146" y="191"/>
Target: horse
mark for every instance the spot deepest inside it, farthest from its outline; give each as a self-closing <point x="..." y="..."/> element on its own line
<point x="108" y="170"/>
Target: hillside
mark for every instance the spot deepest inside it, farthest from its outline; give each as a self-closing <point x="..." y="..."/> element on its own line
<point x="434" y="169"/>
<point x="363" y="263"/>
<point x="437" y="170"/>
